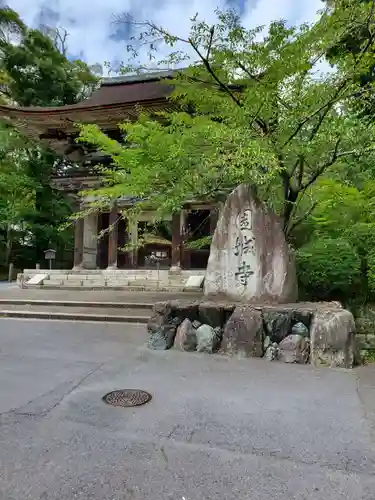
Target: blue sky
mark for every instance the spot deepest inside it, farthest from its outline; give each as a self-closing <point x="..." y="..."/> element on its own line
<point x="94" y="36"/>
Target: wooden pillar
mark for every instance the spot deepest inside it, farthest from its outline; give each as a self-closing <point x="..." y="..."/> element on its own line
<point x="78" y="243"/>
<point x="90" y="240"/>
<point x="133" y="233"/>
<point x="185" y="252"/>
<point x="176" y="242"/>
<point x="113" y="238"/>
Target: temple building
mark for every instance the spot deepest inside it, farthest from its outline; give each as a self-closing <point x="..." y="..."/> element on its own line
<point x="116" y="100"/>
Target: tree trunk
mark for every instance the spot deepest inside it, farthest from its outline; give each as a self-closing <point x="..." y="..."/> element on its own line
<point x="9" y="245"/>
<point x="289" y="203"/>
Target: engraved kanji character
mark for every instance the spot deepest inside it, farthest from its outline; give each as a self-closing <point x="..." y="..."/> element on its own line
<point x="243" y="273"/>
<point x="247" y="244"/>
<point x="245" y="220"/>
<point x="238" y="247"/>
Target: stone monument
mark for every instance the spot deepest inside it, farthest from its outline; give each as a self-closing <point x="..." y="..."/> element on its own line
<point x="251" y="268"/>
<point x="249" y="257"/>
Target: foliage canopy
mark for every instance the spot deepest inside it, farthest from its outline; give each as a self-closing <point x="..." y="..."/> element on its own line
<point x="33" y="72"/>
<point x="246" y="109"/>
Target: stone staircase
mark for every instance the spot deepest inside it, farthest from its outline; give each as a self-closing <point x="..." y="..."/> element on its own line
<point x="120" y="279"/>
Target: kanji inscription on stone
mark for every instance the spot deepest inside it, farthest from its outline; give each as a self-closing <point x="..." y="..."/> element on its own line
<point x="249" y="255"/>
<point x="243" y="273"/>
<point x="244" y="244"/>
<point x="245" y="221"/>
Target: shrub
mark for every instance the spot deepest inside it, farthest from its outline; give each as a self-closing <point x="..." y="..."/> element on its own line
<point x="329" y="269"/>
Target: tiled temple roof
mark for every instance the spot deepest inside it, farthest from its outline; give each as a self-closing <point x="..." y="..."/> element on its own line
<point x="116" y="100"/>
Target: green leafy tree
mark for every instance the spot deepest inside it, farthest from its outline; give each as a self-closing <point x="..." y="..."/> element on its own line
<point x="337" y="207"/>
<point x="246" y="109"/>
<point x="11" y="27"/>
<point x="355" y="18"/>
<point x="37" y="73"/>
<point x="16" y="191"/>
<point x="42" y="76"/>
<point x="342" y="212"/>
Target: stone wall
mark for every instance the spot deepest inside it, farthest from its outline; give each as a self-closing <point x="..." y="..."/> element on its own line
<point x="365" y="322"/>
<point x="321" y="333"/>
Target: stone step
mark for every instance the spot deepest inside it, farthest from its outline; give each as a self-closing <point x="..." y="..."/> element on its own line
<point x="131" y="280"/>
<point x="106" y="314"/>
<point x="152" y="283"/>
<point x="64" y="276"/>
<point x="73" y="277"/>
<point x="134" y="288"/>
<point x="101" y="279"/>
<point x="66" y="286"/>
<point x="123" y="282"/>
<point x="79" y="303"/>
<point x="75" y="282"/>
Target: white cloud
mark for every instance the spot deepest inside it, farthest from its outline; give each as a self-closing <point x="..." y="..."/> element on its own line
<point x="90" y="22"/>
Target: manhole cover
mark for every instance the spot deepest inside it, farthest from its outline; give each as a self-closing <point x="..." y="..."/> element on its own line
<point x="127" y="397"/>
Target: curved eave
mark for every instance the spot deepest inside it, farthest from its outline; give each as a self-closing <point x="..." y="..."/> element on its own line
<point x="65" y="117"/>
<point x="55" y="126"/>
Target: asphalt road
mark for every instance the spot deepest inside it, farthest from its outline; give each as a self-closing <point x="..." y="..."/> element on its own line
<point x="216" y="428"/>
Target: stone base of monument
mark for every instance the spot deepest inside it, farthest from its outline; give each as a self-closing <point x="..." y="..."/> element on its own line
<point x="321" y="333"/>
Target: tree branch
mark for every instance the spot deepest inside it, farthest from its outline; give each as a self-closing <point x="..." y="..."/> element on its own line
<point x="355" y="152"/>
<point x="301" y="219"/>
<point x="212" y="31"/>
<point x="261" y="124"/>
<point x="300" y="171"/>
<point x="317" y="126"/>
<point x="60" y="40"/>
<point x="329" y="104"/>
<point x="258" y="79"/>
<point x="371" y="37"/>
<point x="208" y="67"/>
<point x="321" y="169"/>
<point x="205" y="60"/>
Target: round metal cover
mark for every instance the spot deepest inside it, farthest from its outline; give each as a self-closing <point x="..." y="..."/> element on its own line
<point x="127" y="397"/>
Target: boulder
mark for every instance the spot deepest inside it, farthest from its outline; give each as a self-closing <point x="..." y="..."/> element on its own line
<point x="186" y="336"/>
<point x="185" y="309"/>
<point x="161" y="314"/>
<point x="208" y="338"/>
<point x="249" y="256"/>
<point x="243" y="334"/>
<point x="163" y="338"/>
<point x="302" y="316"/>
<point x="294" y="349"/>
<point x="162" y="308"/>
<point x="161" y="327"/>
<point x="272" y="353"/>
<point x="332" y="337"/>
<point x="211" y="313"/>
<point x="267" y="342"/>
<point x="300" y="329"/>
<point x="277" y="324"/>
<point x="253" y="330"/>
